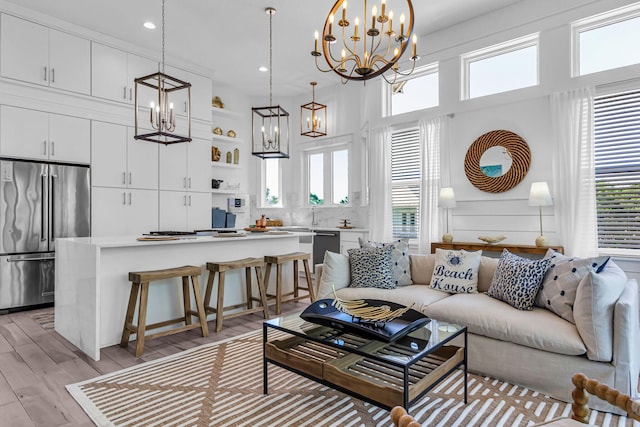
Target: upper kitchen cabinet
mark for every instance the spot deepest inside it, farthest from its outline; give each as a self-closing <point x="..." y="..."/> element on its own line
<point x="40" y="135"/>
<point x="40" y="55"/>
<point x="200" y="94"/>
<point x="113" y="72"/>
<point x="120" y="161"/>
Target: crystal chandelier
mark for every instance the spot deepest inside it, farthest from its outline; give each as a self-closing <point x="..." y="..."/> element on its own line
<point x="313" y="117"/>
<point x="270" y="136"/>
<point x="162" y="121"/>
<point x="362" y="56"/>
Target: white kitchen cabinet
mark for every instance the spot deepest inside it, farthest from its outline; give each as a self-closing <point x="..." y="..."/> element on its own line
<point x="113" y="72"/>
<point x="349" y="240"/>
<point x="184" y="211"/>
<point x="186" y="166"/>
<point x="123" y="212"/>
<point x="200" y="94"/>
<point x="37" y="54"/>
<point x="40" y="135"/>
<point x="120" y="161"/>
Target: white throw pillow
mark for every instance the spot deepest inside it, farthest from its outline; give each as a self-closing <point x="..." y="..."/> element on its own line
<point x="335" y="274"/>
<point x="596" y="297"/>
<point x="456" y="272"/>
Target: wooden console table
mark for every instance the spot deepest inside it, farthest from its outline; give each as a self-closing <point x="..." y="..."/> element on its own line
<point x="485" y="247"/>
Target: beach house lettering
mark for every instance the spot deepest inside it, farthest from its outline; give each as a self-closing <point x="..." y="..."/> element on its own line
<point x="440" y="282"/>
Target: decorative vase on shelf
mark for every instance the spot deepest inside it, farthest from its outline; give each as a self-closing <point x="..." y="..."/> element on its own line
<point x="228" y="156"/>
<point x="236" y="156"/>
<point x="215" y="154"/>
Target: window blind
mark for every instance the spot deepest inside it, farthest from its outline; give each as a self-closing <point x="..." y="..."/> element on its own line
<point x="405" y="182"/>
<point x="617" y="161"/>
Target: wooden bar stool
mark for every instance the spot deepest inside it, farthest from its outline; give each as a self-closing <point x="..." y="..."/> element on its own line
<point x="221" y="268"/>
<point x="278" y="260"/>
<point x="140" y="281"/>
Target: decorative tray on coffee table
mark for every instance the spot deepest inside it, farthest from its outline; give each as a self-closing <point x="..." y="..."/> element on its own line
<point x="323" y="312"/>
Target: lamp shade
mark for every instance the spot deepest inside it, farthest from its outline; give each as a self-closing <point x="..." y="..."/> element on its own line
<point x="539" y="194"/>
<point x="447" y="198"/>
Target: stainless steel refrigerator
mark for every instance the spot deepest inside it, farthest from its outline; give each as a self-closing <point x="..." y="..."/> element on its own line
<point x="39" y="202"/>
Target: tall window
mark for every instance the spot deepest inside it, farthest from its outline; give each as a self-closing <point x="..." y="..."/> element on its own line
<point x="272" y="187"/>
<point x="500" y="68"/>
<point x="617" y="156"/>
<point x="417" y="92"/>
<point x="606" y="41"/>
<point x="405" y="182"/>
<point x="328" y="176"/>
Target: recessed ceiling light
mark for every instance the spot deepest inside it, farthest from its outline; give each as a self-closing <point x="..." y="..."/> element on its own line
<point x="263" y="69"/>
<point x="150" y="25"/>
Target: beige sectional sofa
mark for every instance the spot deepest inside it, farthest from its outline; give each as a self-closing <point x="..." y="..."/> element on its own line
<point x="536" y="349"/>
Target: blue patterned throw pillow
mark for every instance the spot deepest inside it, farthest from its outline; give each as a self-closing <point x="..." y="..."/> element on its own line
<point x="517" y="280"/>
<point x="399" y="258"/>
<point x="371" y="268"/>
<point x="558" y="290"/>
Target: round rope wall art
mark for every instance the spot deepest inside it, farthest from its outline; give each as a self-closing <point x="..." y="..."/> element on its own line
<point x="514" y="146"/>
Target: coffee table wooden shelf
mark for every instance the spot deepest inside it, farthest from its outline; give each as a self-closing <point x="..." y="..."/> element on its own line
<point x="385" y="374"/>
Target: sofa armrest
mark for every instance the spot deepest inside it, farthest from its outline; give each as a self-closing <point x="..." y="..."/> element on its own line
<point x="626" y="339"/>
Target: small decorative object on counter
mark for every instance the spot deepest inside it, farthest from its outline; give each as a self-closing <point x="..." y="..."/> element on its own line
<point x="231" y="133"/>
<point x="492" y="239"/>
<point x="228" y="156"/>
<point x="274" y="223"/>
<point x="263" y="221"/>
<point x="215" y="183"/>
<point x="215" y="154"/>
<point x="217" y="131"/>
<point x="236" y="156"/>
<point x="346" y="223"/>
<point x="217" y="102"/>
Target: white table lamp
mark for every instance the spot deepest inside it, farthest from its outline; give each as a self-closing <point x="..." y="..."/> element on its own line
<point x="447" y="199"/>
<point x="540" y="196"/>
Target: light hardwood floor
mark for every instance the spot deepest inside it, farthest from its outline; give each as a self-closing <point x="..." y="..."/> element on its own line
<point x="36" y="363"/>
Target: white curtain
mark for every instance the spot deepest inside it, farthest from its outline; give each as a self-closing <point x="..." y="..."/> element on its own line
<point x="432" y="133"/>
<point x="380" y="221"/>
<point x="574" y="171"/>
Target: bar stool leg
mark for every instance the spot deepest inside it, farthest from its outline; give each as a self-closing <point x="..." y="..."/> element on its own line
<point x="186" y="300"/>
<point x="219" y="308"/>
<point x="247" y="275"/>
<point x="202" y="314"/>
<point x="307" y="272"/>
<point x="131" y="308"/>
<point x="295" y="278"/>
<point x="208" y="292"/>
<point x="263" y="292"/>
<point x="279" y="289"/>
<point x="142" y="318"/>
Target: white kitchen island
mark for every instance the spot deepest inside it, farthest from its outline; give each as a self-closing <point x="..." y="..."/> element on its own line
<point x="92" y="286"/>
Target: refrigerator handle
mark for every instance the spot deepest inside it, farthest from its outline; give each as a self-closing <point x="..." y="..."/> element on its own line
<point x="52" y="202"/>
<point x="43" y="205"/>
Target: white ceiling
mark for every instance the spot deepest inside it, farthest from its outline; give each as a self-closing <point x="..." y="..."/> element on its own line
<point x="231" y="37"/>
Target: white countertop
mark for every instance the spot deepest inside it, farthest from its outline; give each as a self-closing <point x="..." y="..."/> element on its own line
<point x="130" y="241"/>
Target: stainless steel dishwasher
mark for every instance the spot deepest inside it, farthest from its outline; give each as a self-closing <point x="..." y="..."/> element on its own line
<point x="325" y="240"/>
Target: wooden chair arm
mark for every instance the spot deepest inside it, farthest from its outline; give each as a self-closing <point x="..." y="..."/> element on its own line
<point x="584" y="386"/>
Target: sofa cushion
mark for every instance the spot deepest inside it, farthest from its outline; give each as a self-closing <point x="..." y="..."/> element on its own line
<point x="335" y="274"/>
<point x="596" y="297"/>
<point x="558" y="290"/>
<point x="456" y="271"/>
<point x="517" y="280"/>
<point x="400" y="266"/>
<point x="422" y="268"/>
<point x="371" y="267"/>
<point x="483" y="315"/>
<point x="419" y="296"/>
<point x="485" y="272"/>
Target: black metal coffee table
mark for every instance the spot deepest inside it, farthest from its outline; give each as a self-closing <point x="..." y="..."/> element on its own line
<point x="382" y="373"/>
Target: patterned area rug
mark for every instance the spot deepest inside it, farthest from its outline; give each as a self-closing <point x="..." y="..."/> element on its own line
<point x="220" y="385"/>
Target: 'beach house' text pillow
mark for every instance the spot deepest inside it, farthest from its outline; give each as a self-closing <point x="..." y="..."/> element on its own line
<point x="456" y="272"/>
